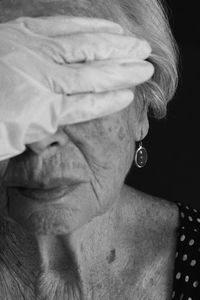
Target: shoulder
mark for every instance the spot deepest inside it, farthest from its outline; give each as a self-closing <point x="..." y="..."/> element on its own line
<point x="149" y="210"/>
<point x="154" y="221"/>
<point x="150" y="225"/>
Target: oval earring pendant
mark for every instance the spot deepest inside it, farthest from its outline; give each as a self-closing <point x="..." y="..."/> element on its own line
<point x="141" y="156"/>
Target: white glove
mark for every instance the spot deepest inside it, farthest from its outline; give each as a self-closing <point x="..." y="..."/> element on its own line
<point x="63" y="70"/>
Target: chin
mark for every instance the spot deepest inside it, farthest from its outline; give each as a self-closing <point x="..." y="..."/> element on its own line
<point x="56" y="217"/>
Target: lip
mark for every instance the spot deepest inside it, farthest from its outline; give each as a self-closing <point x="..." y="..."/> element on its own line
<point x="46" y="194"/>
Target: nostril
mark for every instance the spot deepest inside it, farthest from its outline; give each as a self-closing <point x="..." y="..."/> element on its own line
<point x="53" y="141"/>
<point x="54" y="144"/>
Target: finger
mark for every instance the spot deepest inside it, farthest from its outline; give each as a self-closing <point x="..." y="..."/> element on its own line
<point x="62" y="25"/>
<point x="97" y="77"/>
<point x="89" y="46"/>
<point x="85" y="107"/>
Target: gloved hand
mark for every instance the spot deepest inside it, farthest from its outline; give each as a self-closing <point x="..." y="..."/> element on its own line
<point x="63" y="70"/>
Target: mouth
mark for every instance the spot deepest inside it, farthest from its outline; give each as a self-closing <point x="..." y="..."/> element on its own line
<point x="46" y="194"/>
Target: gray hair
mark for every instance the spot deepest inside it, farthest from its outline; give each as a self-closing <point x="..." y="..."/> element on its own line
<point x="145" y="18"/>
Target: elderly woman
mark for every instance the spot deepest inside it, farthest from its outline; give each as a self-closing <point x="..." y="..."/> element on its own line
<point x="69" y="127"/>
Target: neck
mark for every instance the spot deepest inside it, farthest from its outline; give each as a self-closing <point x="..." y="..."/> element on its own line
<point x="57" y="267"/>
<point x="115" y="256"/>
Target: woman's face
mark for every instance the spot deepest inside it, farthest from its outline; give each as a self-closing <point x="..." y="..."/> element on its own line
<point x="64" y="181"/>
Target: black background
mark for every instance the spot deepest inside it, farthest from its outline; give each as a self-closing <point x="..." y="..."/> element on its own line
<point x="173" y="147"/>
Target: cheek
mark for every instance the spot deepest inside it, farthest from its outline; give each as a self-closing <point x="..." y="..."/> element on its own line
<point x="112" y="152"/>
<point x="106" y="144"/>
<point x="121" y="143"/>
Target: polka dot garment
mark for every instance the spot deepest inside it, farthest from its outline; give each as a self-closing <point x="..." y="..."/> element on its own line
<point x="187" y="263"/>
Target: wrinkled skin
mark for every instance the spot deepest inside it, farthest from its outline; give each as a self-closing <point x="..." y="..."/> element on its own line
<point x="94" y="242"/>
<point x="98" y="152"/>
<point x="103" y="240"/>
<point x="53" y="248"/>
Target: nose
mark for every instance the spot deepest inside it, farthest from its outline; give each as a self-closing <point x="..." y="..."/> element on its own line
<point x="51" y="142"/>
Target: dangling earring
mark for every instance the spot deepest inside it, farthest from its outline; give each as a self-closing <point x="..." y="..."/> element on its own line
<point x="141" y="156"/>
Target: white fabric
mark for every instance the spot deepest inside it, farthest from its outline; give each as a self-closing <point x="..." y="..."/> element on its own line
<point x="63" y="70"/>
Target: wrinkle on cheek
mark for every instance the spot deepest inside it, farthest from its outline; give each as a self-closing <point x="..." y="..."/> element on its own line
<point x="103" y="140"/>
<point x="115" y="129"/>
<point x="121" y="133"/>
<point x="117" y="139"/>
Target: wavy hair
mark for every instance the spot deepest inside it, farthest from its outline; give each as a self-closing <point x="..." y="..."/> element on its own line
<point x="148" y="19"/>
<point x="144" y="18"/>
